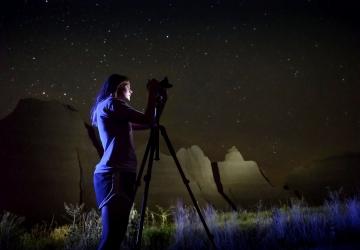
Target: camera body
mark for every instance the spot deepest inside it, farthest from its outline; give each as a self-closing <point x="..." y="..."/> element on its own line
<point x="161" y="96"/>
<point x="161" y="92"/>
<point x="164" y="83"/>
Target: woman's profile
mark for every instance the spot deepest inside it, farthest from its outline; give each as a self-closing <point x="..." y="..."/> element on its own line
<point x="115" y="174"/>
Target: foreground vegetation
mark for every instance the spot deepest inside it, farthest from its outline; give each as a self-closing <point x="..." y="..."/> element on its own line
<point x="335" y="225"/>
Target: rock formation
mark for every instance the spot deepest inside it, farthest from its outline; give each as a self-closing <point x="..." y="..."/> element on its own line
<point x="314" y="181"/>
<point x="232" y="183"/>
<point x="47" y="158"/>
<point x="166" y="185"/>
<point x="244" y="183"/>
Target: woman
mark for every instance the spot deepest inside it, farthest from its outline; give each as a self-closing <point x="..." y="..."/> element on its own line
<point x="115" y="174"/>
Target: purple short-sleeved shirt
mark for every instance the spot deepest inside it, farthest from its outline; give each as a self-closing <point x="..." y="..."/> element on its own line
<point x="113" y="121"/>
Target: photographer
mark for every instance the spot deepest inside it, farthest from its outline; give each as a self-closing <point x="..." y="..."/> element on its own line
<point x="115" y="174"/>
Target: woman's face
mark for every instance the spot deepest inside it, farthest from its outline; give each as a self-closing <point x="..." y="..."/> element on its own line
<point x="124" y="91"/>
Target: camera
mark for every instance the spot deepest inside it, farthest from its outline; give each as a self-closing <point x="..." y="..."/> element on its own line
<point x="161" y="92"/>
<point x="161" y="96"/>
<point x="164" y="83"/>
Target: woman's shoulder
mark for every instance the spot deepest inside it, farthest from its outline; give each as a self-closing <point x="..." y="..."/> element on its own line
<point x="114" y="104"/>
<point x="111" y="101"/>
<point x="116" y="101"/>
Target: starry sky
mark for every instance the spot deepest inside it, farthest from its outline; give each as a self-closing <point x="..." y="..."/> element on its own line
<point x="277" y="79"/>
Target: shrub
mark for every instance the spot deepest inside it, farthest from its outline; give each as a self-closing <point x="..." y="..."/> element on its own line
<point x="10" y="230"/>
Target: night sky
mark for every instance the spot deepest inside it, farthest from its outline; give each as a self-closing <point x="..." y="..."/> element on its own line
<point x="277" y="79"/>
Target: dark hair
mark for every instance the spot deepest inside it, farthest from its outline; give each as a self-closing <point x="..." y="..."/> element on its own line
<point x="108" y="88"/>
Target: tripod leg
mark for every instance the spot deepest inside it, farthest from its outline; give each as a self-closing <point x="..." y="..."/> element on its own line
<point x="142" y="166"/>
<point x="156" y="139"/>
<point x="186" y="182"/>
<point x="147" y="179"/>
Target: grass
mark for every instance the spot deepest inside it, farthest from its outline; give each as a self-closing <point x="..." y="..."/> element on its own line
<point x="335" y="225"/>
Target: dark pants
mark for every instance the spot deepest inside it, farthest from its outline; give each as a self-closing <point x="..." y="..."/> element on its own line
<point x="115" y="196"/>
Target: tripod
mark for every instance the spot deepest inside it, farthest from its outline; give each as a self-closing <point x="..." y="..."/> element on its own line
<point x="152" y="148"/>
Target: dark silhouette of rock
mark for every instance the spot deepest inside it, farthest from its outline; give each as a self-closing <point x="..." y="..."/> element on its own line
<point x="219" y="185"/>
<point x="314" y="182"/>
<point x="47" y="158"/>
